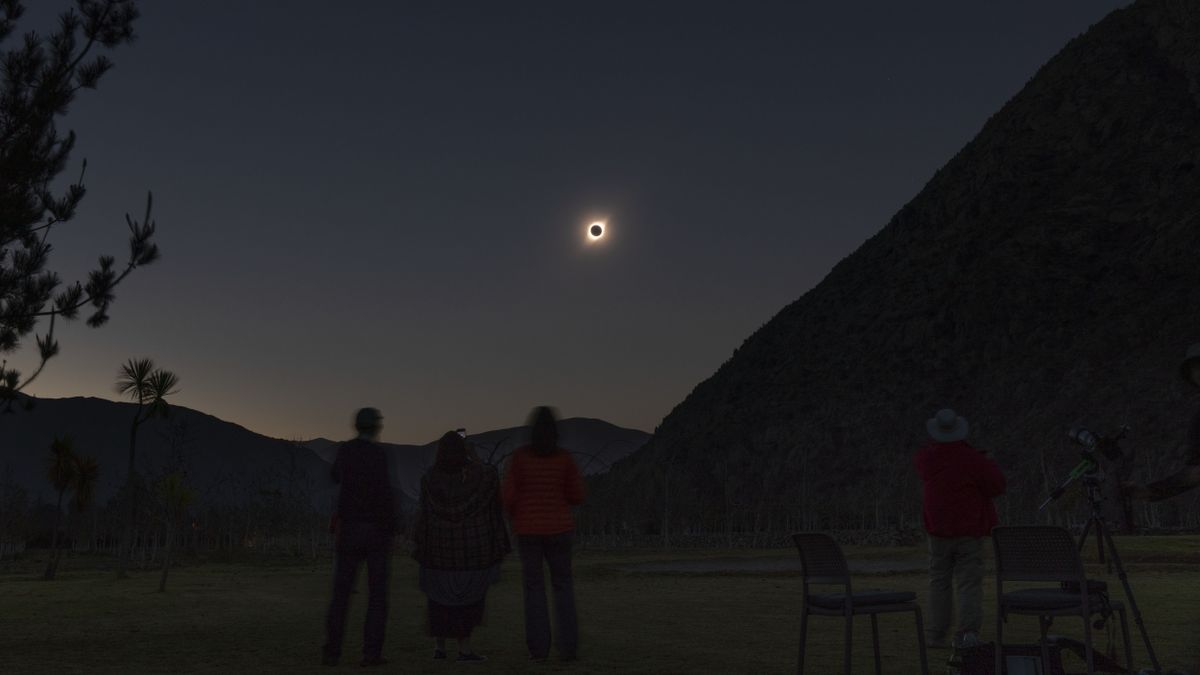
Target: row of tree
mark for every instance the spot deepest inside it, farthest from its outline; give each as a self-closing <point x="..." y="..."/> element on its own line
<point x="748" y="499"/>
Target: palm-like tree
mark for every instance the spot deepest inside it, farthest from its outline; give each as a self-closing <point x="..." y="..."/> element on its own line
<point x="61" y="472"/>
<point x="149" y="388"/>
<point x="87" y="472"/>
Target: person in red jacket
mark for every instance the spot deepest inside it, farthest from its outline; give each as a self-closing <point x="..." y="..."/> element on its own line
<point x="959" y="485"/>
<point x="541" y="485"/>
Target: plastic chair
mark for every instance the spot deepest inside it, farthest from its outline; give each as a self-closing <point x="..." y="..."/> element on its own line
<point x="1042" y="553"/>
<point x="823" y="564"/>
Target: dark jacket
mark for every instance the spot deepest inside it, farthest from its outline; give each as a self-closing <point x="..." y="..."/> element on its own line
<point x="361" y="467"/>
<point x="459" y="525"/>
<point x="959" y="485"/>
<point x="539" y="491"/>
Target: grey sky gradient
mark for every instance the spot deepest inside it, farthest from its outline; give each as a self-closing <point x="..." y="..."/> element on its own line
<point x="384" y="203"/>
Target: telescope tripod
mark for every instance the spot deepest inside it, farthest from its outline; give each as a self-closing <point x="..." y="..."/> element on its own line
<point x="1104" y="540"/>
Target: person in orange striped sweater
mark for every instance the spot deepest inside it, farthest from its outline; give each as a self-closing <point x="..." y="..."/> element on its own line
<point x="541" y="485"/>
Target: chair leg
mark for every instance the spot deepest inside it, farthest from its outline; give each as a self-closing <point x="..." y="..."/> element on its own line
<point x="849" y="642"/>
<point x="1125" y="638"/>
<point x="1044" y="642"/>
<point x="875" y="643"/>
<point x="999" y="640"/>
<point x="921" y="641"/>
<point x="803" y="639"/>
<point x="1087" y="645"/>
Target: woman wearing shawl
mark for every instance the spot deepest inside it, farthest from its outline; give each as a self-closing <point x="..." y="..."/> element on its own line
<point x="460" y="540"/>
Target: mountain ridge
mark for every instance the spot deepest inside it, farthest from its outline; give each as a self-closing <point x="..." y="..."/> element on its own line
<point x="226" y="460"/>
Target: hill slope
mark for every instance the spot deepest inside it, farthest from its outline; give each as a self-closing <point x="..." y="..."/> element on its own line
<point x="1046" y="277"/>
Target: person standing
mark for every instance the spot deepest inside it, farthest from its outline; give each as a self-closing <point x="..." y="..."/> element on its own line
<point x="1188" y="476"/>
<point x="541" y="485"/>
<point x="959" y="483"/>
<point x="364" y="524"/>
<point x="460" y="540"/>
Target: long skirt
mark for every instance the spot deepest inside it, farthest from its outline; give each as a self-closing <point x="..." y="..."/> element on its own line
<point x="456" y="599"/>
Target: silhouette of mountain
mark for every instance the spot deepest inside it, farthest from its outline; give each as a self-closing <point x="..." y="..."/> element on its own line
<point x="1046" y="277"/>
<point x="224" y="461"/>
<point x="596" y="444"/>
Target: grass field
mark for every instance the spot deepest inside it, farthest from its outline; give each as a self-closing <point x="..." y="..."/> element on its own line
<point x="255" y="618"/>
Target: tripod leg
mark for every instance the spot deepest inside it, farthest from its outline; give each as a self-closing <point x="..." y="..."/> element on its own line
<point x="1133" y="608"/>
<point x="1083" y="537"/>
<point x="1125" y="638"/>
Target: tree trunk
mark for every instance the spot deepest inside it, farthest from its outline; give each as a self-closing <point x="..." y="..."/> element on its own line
<point x="162" y="582"/>
<point x="131" y="512"/>
<point x="667" y="509"/>
<point x="52" y="563"/>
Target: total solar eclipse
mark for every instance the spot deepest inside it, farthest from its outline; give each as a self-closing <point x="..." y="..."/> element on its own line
<point x="596" y="230"/>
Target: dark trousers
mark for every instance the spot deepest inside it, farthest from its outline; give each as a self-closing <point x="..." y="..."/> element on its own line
<point x="555" y="550"/>
<point x="358" y="543"/>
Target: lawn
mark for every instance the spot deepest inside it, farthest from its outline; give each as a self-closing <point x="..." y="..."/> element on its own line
<point x="255" y="618"/>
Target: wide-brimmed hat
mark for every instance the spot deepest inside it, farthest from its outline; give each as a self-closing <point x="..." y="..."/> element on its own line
<point x="946" y="426"/>
<point x="1185" y="368"/>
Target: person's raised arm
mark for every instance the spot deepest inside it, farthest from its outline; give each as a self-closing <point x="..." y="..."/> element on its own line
<point x="1177" y="483"/>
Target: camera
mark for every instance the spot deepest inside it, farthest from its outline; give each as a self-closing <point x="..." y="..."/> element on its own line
<point x="1083" y="437"/>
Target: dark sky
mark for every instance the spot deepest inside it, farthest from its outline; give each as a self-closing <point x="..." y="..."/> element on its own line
<point x="386" y="204"/>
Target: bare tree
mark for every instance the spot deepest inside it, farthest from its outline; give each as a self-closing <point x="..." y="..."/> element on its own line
<point x="175" y="497"/>
<point x="61" y="472"/>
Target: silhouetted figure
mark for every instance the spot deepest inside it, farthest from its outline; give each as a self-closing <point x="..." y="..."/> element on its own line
<point x="1187" y="477"/>
<point x="363" y="527"/>
<point x="959" y="485"/>
<point x="460" y="540"/>
<point x="540" y="487"/>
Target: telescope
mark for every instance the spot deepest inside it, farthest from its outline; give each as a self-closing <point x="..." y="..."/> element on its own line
<point x="1100" y="486"/>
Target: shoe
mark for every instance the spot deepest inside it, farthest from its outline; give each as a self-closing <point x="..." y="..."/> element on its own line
<point x="936" y="643"/>
<point x="954" y="664"/>
<point x="967" y="640"/>
<point x="370" y="661"/>
<point x="439" y="653"/>
<point x="470" y="657"/>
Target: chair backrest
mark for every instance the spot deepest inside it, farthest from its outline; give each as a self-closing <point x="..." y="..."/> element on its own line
<point x="1036" y="553"/>
<point x="821" y="559"/>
